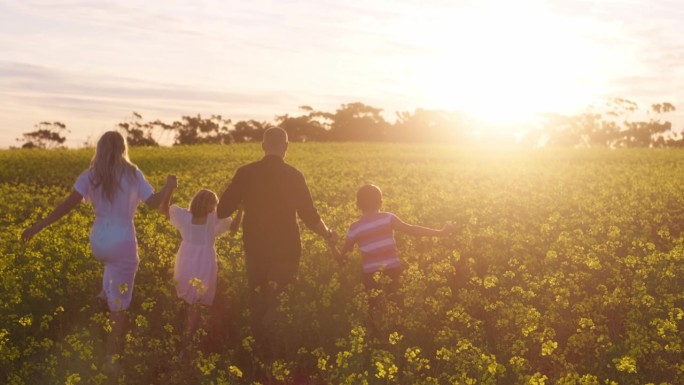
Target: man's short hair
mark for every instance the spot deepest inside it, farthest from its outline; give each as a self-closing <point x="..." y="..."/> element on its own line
<point x="369" y="198"/>
<point x="275" y="135"/>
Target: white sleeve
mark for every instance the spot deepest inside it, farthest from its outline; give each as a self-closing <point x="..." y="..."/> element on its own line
<point x="222" y="225"/>
<point x="145" y="189"/>
<point x="176" y="215"/>
<point x="83" y="186"/>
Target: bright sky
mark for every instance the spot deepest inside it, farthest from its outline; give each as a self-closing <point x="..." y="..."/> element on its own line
<point x="90" y="64"/>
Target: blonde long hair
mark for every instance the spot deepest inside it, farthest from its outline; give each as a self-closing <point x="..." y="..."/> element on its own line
<point x="203" y="203"/>
<point x="111" y="163"/>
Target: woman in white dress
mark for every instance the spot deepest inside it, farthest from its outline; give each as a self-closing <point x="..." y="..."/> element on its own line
<point x="115" y="187"/>
<point x="196" y="268"/>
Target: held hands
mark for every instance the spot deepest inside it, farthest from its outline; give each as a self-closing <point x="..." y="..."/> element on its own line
<point x="235" y="224"/>
<point x="341" y="258"/>
<point x="332" y="238"/>
<point x="171" y="182"/>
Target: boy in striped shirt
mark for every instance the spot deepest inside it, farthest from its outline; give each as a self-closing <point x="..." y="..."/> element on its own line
<point x="374" y="233"/>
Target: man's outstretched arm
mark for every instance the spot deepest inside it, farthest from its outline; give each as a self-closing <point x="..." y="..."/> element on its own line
<point x="231" y="198"/>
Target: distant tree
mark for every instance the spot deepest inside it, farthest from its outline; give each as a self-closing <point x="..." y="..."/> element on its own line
<point x="138" y="132"/>
<point x="611" y="127"/>
<point x="649" y="133"/>
<point x="596" y="131"/>
<point x="46" y="135"/>
<point x="583" y="130"/>
<point x="312" y="126"/>
<point x="674" y="140"/>
<point x="429" y="126"/>
<point x="198" y="130"/>
<point x="358" y="122"/>
<point x="249" y="131"/>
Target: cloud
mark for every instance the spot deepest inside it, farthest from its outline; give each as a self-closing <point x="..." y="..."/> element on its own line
<point x="31" y="93"/>
<point x="78" y="59"/>
<point x="27" y="80"/>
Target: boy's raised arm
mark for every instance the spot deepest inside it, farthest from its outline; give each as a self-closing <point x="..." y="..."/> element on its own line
<point x="420" y="231"/>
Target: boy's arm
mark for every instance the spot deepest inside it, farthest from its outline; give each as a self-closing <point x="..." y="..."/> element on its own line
<point x="341" y="255"/>
<point x="232" y="196"/>
<point x="420" y="231"/>
<point x="171" y="184"/>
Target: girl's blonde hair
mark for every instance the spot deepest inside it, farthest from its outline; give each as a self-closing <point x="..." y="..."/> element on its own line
<point x="203" y="203"/>
<point x="110" y="163"/>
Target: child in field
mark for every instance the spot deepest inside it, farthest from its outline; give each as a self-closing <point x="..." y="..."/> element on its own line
<point x="196" y="268"/>
<point x="374" y="233"/>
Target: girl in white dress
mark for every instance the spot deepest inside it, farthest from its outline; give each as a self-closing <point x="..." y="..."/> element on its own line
<point x="195" y="269"/>
<point x="115" y="187"/>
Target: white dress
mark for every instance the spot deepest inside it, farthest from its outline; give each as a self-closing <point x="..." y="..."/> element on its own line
<point x="112" y="238"/>
<point x="196" y="268"/>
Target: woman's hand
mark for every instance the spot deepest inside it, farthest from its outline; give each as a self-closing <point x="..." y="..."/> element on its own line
<point x="29" y="233"/>
<point x="61" y="210"/>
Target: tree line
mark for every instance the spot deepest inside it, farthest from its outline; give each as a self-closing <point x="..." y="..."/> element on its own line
<point x="614" y="125"/>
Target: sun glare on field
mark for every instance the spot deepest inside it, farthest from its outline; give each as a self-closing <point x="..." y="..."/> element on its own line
<point x="503" y="64"/>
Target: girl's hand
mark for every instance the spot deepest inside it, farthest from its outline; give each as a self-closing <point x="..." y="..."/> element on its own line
<point x="171" y="181"/>
<point x="235" y="225"/>
<point x="29" y="233"/>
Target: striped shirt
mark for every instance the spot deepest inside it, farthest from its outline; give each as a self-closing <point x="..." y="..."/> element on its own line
<point x="375" y="237"/>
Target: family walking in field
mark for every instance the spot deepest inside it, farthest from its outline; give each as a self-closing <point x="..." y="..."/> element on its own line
<point x="271" y="193"/>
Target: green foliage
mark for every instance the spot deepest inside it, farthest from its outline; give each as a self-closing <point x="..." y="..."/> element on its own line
<point x="46" y="135"/>
<point x="565" y="268"/>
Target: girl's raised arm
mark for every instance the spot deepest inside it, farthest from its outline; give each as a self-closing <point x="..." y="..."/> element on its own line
<point x="235" y="224"/>
<point x="61" y="210"/>
<point x="171" y="184"/>
<point x="155" y="200"/>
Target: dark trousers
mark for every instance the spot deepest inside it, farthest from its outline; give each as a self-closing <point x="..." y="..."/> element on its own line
<point x="388" y="284"/>
<point x="267" y="278"/>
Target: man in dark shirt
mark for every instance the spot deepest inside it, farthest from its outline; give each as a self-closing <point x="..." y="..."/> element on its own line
<point x="272" y="194"/>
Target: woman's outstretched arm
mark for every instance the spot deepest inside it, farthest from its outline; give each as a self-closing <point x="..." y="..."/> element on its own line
<point x="61" y="210"/>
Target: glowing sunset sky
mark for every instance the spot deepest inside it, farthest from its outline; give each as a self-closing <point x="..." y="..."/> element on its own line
<point x="90" y="64"/>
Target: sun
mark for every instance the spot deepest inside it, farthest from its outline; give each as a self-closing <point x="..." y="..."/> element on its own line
<point x="505" y="67"/>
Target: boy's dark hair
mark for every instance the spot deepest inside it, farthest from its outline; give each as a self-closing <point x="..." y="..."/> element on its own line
<point x="369" y="198"/>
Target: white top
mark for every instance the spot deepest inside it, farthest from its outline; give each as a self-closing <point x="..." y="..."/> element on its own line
<point x="198" y="235"/>
<point x="114" y="219"/>
<point x="195" y="269"/>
